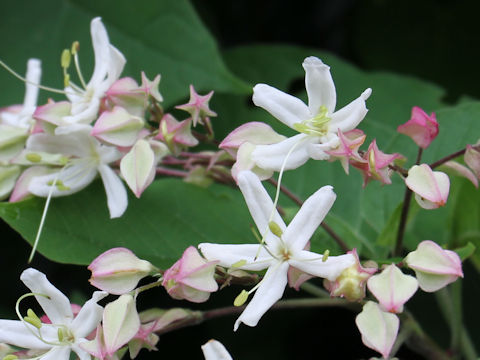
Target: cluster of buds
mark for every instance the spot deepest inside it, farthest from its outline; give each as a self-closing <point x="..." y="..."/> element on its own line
<point x="108" y="125"/>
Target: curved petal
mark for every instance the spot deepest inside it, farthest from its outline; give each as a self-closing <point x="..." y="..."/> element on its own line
<point x="15" y="332"/>
<point x="313" y="264"/>
<point x="228" y="255"/>
<point x="34" y="73"/>
<point x="57" y="353"/>
<point x="117" y="199"/>
<point x="73" y="144"/>
<point x="101" y="49"/>
<point x="348" y="117"/>
<point x="284" y="107"/>
<point x="82" y="354"/>
<point x="89" y="315"/>
<point x="268" y="293"/>
<point x="319" y="85"/>
<point x="115" y="68"/>
<point x="272" y="157"/>
<point x="73" y="179"/>
<point x="84" y="114"/>
<point x="309" y="217"/>
<point x="319" y="151"/>
<point x="258" y="201"/>
<point x="55" y="304"/>
<point x="214" y="350"/>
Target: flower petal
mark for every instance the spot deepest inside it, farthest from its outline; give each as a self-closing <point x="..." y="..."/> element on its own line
<point x="319" y="85"/>
<point x="117" y="199"/>
<point x="313" y="264"/>
<point x="214" y="350"/>
<point x="272" y="157"/>
<point x="348" y="117"/>
<point x="89" y="315"/>
<point x="268" y="293"/>
<point x="55" y="304"/>
<point x="284" y="107"/>
<point x="57" y="353"/>
<point x="21" y="334"/>
<point x="254" y="256"/>
<point x="309" y="217"/>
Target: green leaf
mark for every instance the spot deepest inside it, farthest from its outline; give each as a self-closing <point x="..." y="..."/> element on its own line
<point x="466" y="251"/>
<point x="159" y="37"/>
<point x="170" y="216"/>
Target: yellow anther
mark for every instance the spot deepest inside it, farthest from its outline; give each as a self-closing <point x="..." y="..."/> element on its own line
<point x="60" y="334"/>
<point x="239" y="263"/>
<point x="33" y="319"/>
<point x="65" y="59"/>
<point x="275" y="228"/>
<point x="75" y="47"/>
<point x="33" y="157"/>
<point x="241" y="298"/>
<point x="10" y="357"/>
<point x="318" y="125"/>
<point x="325" y="255"/>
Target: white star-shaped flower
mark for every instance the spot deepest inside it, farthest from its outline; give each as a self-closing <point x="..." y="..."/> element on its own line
<point x="279" y="251"/>
<point x="317" y="122"/>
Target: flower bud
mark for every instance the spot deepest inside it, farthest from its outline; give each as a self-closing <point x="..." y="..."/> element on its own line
<point x="431" y="188"/>
<point x="351" y="283"/>
<point x="421" y="128"/>
<point x="434" y="266"/>
<point x="118" y="271"/>
<point x="191" y="277"/>
<point x="392" y="288"/>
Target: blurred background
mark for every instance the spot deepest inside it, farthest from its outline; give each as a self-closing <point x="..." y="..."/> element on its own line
<point x="435" y="40"/>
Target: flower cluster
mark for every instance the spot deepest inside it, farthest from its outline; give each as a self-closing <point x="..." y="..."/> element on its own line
<point x="106" y="127"/>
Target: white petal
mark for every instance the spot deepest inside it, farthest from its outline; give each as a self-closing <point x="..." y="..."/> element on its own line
<point x="115" y="68"/>
<point x="348" y="117"/>
<point x="75" y="144"/>
<point x="34" y="73"/>
<point x="89" y="315"/>
<point x="116" y="194"/>
<point x="268" y="293"/>
<point x="309" y="217"/>
<point x="56" y="306"/>
<point x="272" y="157"/>
<point x="101" y="48"/>
<point x="227" y="255"/>
<point x="15" y="332"/>
<point x="313" y="264"/>
<point x="74" y="178"/>
<point x="82" y="354"/>
<point x="214" y="350"/>
<point x="319" y="85"/>
<point x="258" y="201"/>
<point x="57" y="353"/>
<point x="317" y="151"/>
<point x="286" y="108"/>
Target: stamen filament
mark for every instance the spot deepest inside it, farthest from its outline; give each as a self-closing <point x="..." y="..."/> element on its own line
<point x="79" y="72"/>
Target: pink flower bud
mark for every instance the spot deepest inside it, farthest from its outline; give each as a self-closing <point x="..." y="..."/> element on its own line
<point x="118" y="271"/>
<point x="392" y="288"/>
<point x="430" y="187"/>
<point x="352" y="281"/>
<point x="421" y="127"/>
<point x="379" y="329"/>
<point x="191" y="277"/>
<point x="434" y="266"/>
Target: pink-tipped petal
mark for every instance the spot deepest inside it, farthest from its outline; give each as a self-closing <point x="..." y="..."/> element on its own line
<point x="431" y="188"/>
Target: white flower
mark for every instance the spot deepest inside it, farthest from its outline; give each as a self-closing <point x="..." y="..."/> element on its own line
<point x="318" y="123"/>
<point x="214" y="350"/>
<point x="65" y="333"/>
<point x="109" y="63"/>
<point x="279" y="251"/>
<point x="86" y="158"/>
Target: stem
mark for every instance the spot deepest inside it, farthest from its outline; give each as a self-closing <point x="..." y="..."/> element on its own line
<point x="451" y="156"/>
<point x="403" y="217"/>
<point x="299" y="202"/>
<point x="171" y="172"/>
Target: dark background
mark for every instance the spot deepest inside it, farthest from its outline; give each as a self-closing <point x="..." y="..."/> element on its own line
<point x="433" y="40"/>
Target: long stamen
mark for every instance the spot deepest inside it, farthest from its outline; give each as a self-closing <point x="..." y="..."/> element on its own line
<point x="75" y="48"/>
<point x="18" y="76"/>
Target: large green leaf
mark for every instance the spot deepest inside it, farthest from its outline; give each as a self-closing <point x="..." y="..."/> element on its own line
<point x="170" y="216"/>
<point x="159" y="37"/>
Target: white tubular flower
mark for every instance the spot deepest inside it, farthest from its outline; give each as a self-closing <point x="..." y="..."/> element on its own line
<point x="65" y="332"/>
<point x="318" y="123"/>
<point x="109" y="63"/>
<point x="87" y="158"/>
<point x="283" y="246"/>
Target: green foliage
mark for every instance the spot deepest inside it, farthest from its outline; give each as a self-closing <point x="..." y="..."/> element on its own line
<point x="167" y="37"/>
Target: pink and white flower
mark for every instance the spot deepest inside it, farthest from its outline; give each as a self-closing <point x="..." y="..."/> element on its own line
<point x="421" y="128"/>
<point x="431" y="188"/>
<point x="281" y="249"/>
